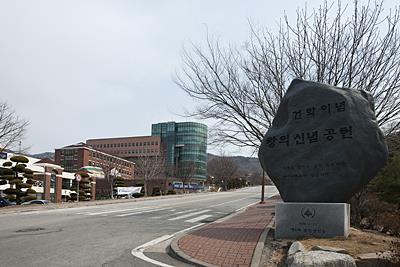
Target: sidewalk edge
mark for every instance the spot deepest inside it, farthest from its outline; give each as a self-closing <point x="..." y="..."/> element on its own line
<point x="257" y="254"/>
<point x="177" y="253"/>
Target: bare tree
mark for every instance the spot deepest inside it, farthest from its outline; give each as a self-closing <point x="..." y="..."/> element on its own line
<point x="110" y="172"/>
<point x="149" y="168"/>
<point x="223" y="169"/>
<point x="185" y="172"/>
<point x="12" y="127"/>
<point x="240" y="89"/>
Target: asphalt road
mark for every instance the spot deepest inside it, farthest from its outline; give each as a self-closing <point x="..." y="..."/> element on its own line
<point x="105" y="235"/>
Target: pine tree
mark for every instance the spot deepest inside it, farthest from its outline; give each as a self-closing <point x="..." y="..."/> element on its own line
<point x="20" y="178"/>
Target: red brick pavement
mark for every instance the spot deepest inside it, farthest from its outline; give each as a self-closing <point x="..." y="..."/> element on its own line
<point x="231" y="242"/>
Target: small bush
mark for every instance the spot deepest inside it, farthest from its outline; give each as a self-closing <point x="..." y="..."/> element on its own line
<point x="171" y="192"/>
<point x="24" y="185"/>
<point x="20" y="159"/>
<point x="30" y="191"/>
<point x="30" y="181"/>
<point x="15" y="181"/>
<point x="7" y="164"/>
<point x="28" y="171"/>
<point x="387" y="184"/>
<point x="19" y="167"/>
<point x="11" y="191"/>
<point x="6" y="171"/>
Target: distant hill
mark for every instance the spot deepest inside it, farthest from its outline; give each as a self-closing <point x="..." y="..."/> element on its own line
<point x="245" y="164"/>
<point x="43" y="155"/>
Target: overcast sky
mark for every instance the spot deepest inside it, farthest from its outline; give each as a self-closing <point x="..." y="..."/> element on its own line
<point x="86" y="69"/>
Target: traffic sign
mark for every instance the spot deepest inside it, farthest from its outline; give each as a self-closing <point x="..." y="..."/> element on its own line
<point x="78" y="177"/>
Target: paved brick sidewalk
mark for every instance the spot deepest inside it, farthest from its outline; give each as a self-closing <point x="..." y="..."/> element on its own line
<point x="233" y="241"/>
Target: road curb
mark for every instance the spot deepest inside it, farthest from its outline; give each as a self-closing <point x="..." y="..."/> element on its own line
<point x="177" y="253"/>
<point x="257" y="254"/>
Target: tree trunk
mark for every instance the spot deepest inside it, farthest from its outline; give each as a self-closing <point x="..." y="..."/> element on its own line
<point x="145" y="187"/>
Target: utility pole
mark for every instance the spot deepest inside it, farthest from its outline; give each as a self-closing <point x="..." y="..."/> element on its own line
<point x="262" y="188"/>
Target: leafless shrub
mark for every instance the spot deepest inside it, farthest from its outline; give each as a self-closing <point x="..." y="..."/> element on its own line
<point x="12" y="127"/>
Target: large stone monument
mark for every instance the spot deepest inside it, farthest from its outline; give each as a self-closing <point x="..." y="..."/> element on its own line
<point x="324" y="146"/>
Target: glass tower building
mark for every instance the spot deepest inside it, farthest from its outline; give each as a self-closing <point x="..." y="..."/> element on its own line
<point x="185" y="143"/>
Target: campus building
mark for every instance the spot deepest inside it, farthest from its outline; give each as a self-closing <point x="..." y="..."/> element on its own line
<point x="74" y="157"/>
<point x="129" y="148"/>
<point x="185" y="143"/>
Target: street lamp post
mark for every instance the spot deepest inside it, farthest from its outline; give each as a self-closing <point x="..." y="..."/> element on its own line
<point x="177" y="157"/>
<point x="78" y="179"/>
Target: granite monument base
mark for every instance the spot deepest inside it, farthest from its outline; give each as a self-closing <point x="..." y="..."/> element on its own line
<point x="297" y="220"/>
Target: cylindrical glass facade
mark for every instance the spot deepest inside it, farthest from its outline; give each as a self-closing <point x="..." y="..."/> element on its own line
<point x="186" y="144"/>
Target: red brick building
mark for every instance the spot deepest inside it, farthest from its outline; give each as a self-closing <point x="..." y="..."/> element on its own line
<point x="74" y="157"/>
<point x="128" y="148"/>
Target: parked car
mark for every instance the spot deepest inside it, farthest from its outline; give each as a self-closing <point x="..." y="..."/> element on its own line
<point x="36" y="201"/>
<point x="5" y="202"/>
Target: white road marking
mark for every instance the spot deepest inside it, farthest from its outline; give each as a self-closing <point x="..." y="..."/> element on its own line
<point x="180" y="212"/>
<point x="114" y="211"/>
<point x="242" y="208"/>
<point x="229" y="202"/>
<point x="199" y="218"/>
<point x="188" y="215"/>
<point x="139" y="212"/>
<point x="169" y="215"/>
<point x="138" y="251"/>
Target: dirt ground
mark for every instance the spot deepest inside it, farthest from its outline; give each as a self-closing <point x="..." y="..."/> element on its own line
<point x="358" y="242"/>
